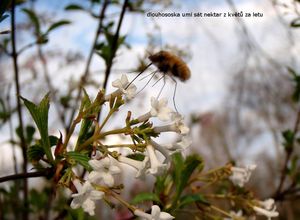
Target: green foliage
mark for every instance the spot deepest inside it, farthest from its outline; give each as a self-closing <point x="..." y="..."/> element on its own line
<point x="3" y="8"/>
<point x="190" y="199"/>
<point x="169" y="191"/>
<point x="106" y="49"/>
<point x="71" y="7"/>
<point x="81" y="158"/>
<point x="288" y="137"/>
<point x="42" y="37"/>
<point x="143" y="197"/>
<point x="35" y="153"/>
<point x="296" y="79"/>
<point x="4" y="113"/>
<point x="295" y="23"/>
<point x="39" y="114"/>
<point x="34" y="19"/>
<point x="136" y="156"/>
<point x="86" y="123"/>
<point x="57" y="25"/>
<point x="184" y="171"/>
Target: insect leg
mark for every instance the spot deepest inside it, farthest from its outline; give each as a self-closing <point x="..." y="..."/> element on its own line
<point x="158" y="80"/>
<point x="138" y="75"/>
<point x="148" y="81"/>
<point x="174" y="94"/>
<point x="164" y="77"/>
<point x="146" y="76"/>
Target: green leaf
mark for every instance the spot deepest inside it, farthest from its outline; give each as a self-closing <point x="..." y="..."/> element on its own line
<point x="195" y="198"/>
<point x="57" y="25"/>
<point x="30" y="130"/>
<point x="39" y="113"/>
<point x="3" y="17"/>
<point x="296" y="79"/>
<point x="178" y="163"/>
<point x="53" y="140"/>
<point x="190" y="164"/>
<point x="35" y="153"/>
<point x="86" y="123"/>
<point x="34" y="19"/>
<point x="295" y="23"/>
<point x="81" y="158"/>
<point x="74" y="7"/>
<point x="288" y="137"/>
<point x="3" y="8"/>
<point x="136" y="156"/>
<point x="142" y="197"/>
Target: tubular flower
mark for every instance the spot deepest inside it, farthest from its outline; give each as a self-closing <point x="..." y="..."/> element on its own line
<point x="156" y="214"/>
<point x="266" y="208"/>
<point x="85" y="197"/>
<point x="103" y="170"/>
<point x="156" y="166"/>
<point x="178" y="126"/>
<point x="159" y="109"/>
<point x="240" y="176"/>
<point x="140" y="166"/>
<point x="122" y="84"/>
<point x="184" y="143"/>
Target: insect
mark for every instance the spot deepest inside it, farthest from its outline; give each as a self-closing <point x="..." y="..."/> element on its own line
<point x="171" y="64"/>
<point x="167" y="64"/>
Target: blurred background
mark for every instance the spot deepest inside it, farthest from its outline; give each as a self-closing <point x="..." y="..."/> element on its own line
<point x="239" y="103"/>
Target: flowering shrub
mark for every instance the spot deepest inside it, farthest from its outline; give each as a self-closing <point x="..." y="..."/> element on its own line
<point x="180" y="182"/>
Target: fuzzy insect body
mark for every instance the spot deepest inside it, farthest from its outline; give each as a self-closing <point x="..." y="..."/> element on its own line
<point x="171" y="64"/>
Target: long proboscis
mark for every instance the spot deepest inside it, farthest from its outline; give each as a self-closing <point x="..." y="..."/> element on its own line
<point x="138" y="75"/>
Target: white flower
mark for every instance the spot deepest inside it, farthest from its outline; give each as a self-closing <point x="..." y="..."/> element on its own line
<point x="235" y="215"/>
<point x="161" y="149"/>
<point x="85" y="197"/>
<point x="122" y="85"/>
<point x="140" y="166"/>
<point x="159" y="109"/>
<point x="156" y="214"/>
<point x="267" y="208"/>
<point x="184" y="143"/>
<point x="103" y="170"/>
<point x="157" y="167"/>
<point x="240" y="176"/>
<point x="178" y="126"/>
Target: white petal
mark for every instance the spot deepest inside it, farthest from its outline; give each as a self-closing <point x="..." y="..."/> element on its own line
<point x="96" y="195"/>
<point x="124" y="80"/>
<point x="108" y="179"/>
<point x="76" y="203"/>
<point x="165" y="216"/>
<point x="77" y="185"/>
<point x="95" y="176"/>
<point x="114" y="169"/>
<point x="155" y="212"/>
<point x="89" y="206"/>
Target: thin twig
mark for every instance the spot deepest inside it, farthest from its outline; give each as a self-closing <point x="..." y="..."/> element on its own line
<point x="88" y="63"/>
<point x="19" y="108"/>
<point x="289" y="153"/>
<point x="45" y="172"/>
<point x="114" y="48"/>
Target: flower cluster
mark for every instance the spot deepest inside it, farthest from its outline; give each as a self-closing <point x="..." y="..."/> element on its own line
<point x="148" y="157"/>
<point x="105" y="166"/>
<point x="266" y="208"/>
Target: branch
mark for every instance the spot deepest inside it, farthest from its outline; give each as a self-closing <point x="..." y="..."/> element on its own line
<point x="44" y="173"/>
<point x="114" y="49"/>
<point x="289" y="153"/>
<point x="19" y="108"/>
<point x="87" y="67"/>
